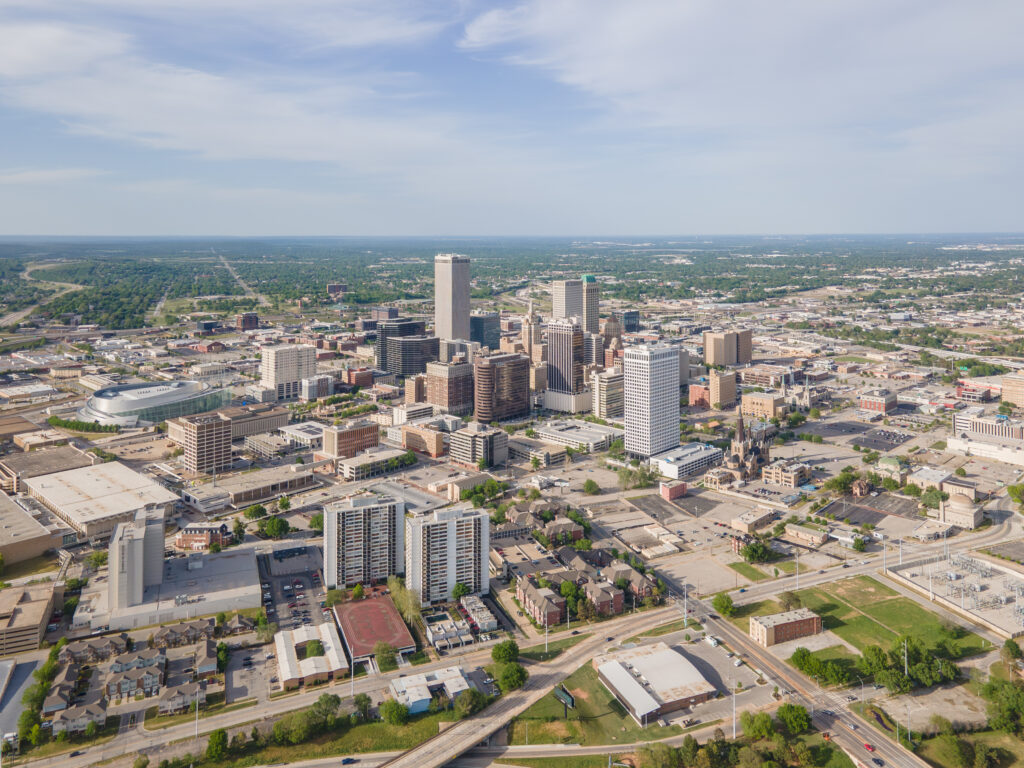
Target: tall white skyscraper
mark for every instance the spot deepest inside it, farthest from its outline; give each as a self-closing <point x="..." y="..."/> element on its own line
<point x="451" y="296"/>
<point x="566" y="299"/>
<point x="283" y="367"/>
<point x="364" y="540"/>
<point x="445" y="548"/>
<point x="651" y="374"/>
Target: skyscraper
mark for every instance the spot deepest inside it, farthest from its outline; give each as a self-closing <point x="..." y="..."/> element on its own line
<point x="566" y="299"/>
<point x="282" y="367"/>
<point x="451" y="296"/>
<point x="565" y="356"/>
<point x="449" y="386"/>
<point x="136" y="559"/>
<point x="608" y="394"/>
<point x="651" y="374"/>
<point x="397" y="326"/>
<point x="502" y="387"/>
<point x="364" y="540"/>
<point x="485" y="329"/>
<point x="206" y="441"/>
<point x="445" y="548"/>
<point x="591" y="305"/>
<point x="409" y="355"/>
<point x="728" y="347"/>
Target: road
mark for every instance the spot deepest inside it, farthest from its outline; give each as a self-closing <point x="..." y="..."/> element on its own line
<point x="249" y="292"/>
<point x="16" y="317"/>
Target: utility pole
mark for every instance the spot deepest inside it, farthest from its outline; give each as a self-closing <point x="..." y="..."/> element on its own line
<point x="901" y="551"/>
<point x="906" y="670"/>
<point x="884" y="569"/>
<point x="546" y="632"/>
<point x="733" y="685"/>
<point x="798" y="568"/>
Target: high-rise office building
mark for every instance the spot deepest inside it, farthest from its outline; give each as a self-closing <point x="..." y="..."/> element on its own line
<point x="416" y="389"/>
<point x="501" y="387"/>
<point x="728" y="347"/>
<point x="478" y="442"/>
<point x="451" y="296"/>
<point x="722" y="389"/>
<point x="593" y="349"/>
<point x="206" y="441"/>
<point x="591" y="314"/>
<point x="651" y="374"/>
<point x="485" y="329"/>
<point x="343" y="441"/>
<point x="136" y="559"/>
<point x="391" y="328"/>
<point x="247" y="321"/>
<point x="409" y="355"/>
<point x="364" y="540"/>
<point x="532" y="334"/>
<point x="449" y="387"/>
<point x="383" y="313"/>
<point x="284" y="366"/>
<point x="457" y="351"/>
<point x="608" y="394"/>
<point x="566" y="299"/>
<point x="445" y="548"/>
<point x="566" y="390"/>
<point x="631" y="321"/>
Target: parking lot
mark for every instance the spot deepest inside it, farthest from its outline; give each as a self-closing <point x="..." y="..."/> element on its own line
<point x="834" y="429"/>
<point x="525" y="556"/>
<point x="249" y="674"/>
<point x="882" y="440"/>
<point x="292" y="590"/>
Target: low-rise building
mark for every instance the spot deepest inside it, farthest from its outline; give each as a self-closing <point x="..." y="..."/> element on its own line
<point x="423" y="439"/>
<point x="527" y="449"/>
<point x="877" y="400"/>
<point x="76" y="720"/>
<point x="787" y="473"/>
<point x="542" y="604"/>
<point x="476" y="443"/>
<point x="578" y="435"/>
<point x="812" y="536"/>
<point x="24" y="613"/>
<point x="295" y="668"/>
<point x="199" y="536"/>
<point x="181" y="698"/>
<point x="782" y="627"/>
<point x="417" y="691"/>
<point x="762" y="405"/>
<point x="750" y="521"/>
<point x="93" y="649"/>
<point x="479" y="614"/>
<point x="372" y="463"/>
<point x="686" y="460"/>
<point x="186" y="633"/>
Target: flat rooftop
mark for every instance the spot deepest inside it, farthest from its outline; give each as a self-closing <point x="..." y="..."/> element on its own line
<point x="364" y="622"/>
<point x="45" y="462"/>
<point x="777" y="619"/>
<point x="655" y="671"/>
<point x="259" y="478"/>
<point x="370" y="457"/>
<point x="94" y="493"/>
<point x="18" y="525"/>
<point x="14" y="425"/>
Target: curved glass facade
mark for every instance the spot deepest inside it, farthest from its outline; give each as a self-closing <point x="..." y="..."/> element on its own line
<point x="139" y="404"/>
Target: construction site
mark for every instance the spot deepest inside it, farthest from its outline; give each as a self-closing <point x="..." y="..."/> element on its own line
<point x="988" y="593"/>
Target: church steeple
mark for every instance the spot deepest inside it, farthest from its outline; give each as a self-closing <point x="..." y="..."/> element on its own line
<point x="741" y="434"/>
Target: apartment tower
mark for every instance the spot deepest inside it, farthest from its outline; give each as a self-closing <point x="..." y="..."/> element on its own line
<point x="284" y="366"/>
<point x="364" y="540"/>
<point x="445" y="548"/>
<point x="206" y="442"/>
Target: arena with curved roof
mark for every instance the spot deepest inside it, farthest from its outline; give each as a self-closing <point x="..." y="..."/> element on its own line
<point x="130" y="405"/>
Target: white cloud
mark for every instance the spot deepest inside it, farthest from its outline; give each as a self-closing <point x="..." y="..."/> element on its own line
<point x="15" y="177"/>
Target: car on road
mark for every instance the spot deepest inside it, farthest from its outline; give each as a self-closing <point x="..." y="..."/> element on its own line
<point x="609" y="639"/>
<point x="349" y="761"/>
<point x="574" y="632"/>
<point x="868" y="747"/>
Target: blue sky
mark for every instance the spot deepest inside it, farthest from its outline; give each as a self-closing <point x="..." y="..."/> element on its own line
<point x="391" y="117"/>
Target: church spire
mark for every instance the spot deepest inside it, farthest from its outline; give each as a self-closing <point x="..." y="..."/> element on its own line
<point x="741" y="434"/>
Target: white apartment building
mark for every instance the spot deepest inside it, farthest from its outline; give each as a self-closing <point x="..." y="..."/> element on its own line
<point x="651" y="381"/>
<point x="136" y="559"/>
<point x="451" y="296"/>
<point x="445" y="548"/>
<point x="364" y="540"/>
<point x="609" y="398"/>
<point x="284" y="366"/>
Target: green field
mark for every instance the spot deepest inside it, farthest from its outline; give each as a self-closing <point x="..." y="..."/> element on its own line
<point x="863" y="611"/>
<point x="1009" y="748"/>
<point x="597" y="719"/>
<point x="673" y="626"/>
<point x="741" y="618"/>
<point x="555" y="648"/>
<point x="749" y="571"/>
<point x="567" y="761"/>
<point x="788" y="567"/>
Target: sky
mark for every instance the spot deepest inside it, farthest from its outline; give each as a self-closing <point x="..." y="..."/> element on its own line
<point x="540" y="117"/>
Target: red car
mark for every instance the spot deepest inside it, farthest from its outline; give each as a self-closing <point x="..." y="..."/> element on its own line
<point x="869" y="748"/>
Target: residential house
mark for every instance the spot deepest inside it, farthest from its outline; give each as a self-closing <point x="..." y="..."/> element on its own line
<point x="62" y="691"/>
<point x="186" y="633"/>
<point x="542" y="604"/>
<point x="75" y="720"/>
<point x="93" y="649"/>
<point x="141" y="659"/>
<point x="131" y="682"/>
<point x="607" y="599"/>
<point x="237" y="625"/>
<point x="180" y="698"/>
<point x="206" y="659"/>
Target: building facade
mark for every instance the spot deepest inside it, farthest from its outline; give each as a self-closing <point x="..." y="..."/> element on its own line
<point x="609" y="395"/>
<point x="449" y="387"/>
<point x="476" y="443"/>
<point x="566" y="299"/>
<point x="284" y="366"/>
<point x="364" y="540"/>
<point x="782" y="627"/>
<point x="501" y="387"/>
<point x="206" y="442"/>
<point x="485" y="329"/>
<point x="591" y="301"/>
<point x="445" y="548"/>
<point x="651" y="375"/>
<point x="451" y="296"/>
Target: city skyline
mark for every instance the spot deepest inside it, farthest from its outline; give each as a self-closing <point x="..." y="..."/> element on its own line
<point x="405" y="118"/>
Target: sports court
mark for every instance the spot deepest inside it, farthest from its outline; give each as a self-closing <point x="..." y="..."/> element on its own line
<point x="365" y="622"/>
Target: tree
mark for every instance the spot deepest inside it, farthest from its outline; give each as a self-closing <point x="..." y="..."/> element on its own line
<point x="333" y="597"/>
<point x="274" y="527"/>
<point x="789" y="600"/>
<point x="284" y="503"/>
<point x="794" y="718"/>
<point x="756" y="552"/>
<point x="91" y="730"/>
<point x="1" y="564"/>
<point x="215" y="547"/>
<point x="459" y="591"/>
<point x="960" y="472"/>
<point x="314" y="648"/>
<point x="756" y="726"/>
<point x="97" y="560"/>
<point x="223" y="652"/>
<point x="723" y="604"/>
<point x="362" y="703"/>
<point x="358" y="592"/>
<point x="482" y="464"/>
<point x="222" y="619"/>
<point x="316" y="522"/>
<point x="217" y="746"/>
<point x="238" y="530"/>
<point x="385" y="655"/>
<point x="658" y="755"/>
<point x="591" y="488"/>
<point x="1011" y="651"/>
<point x="394" y="713"/>
<point x="469" y="702"/>
<point x="688" y="751"/>
<point x="255" y="512"/>
<point x="859" y="544"/>
<point x="513" y="676"/>
<point x="505" y="652"/>
<point x="535" y="464"/>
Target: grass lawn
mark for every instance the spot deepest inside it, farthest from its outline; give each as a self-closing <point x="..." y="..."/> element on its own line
<point x="555" y="648"/>
<point x="741" y="618"/>
<point x="31" y="567"/>
<point x="788" y="567"/>
<point x="865" y="612"/>
<point x="597" y="719"/>
<point x="578" y="761"/>
<point x="214" y="706"/>
<point x="842" y="656"/>
<point x="673" y="626"/>
<point x="749" y="571"/>
<point x="824" y="754"/>
<point x="52" y="748"/>
<point x="1009" y="748"/>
